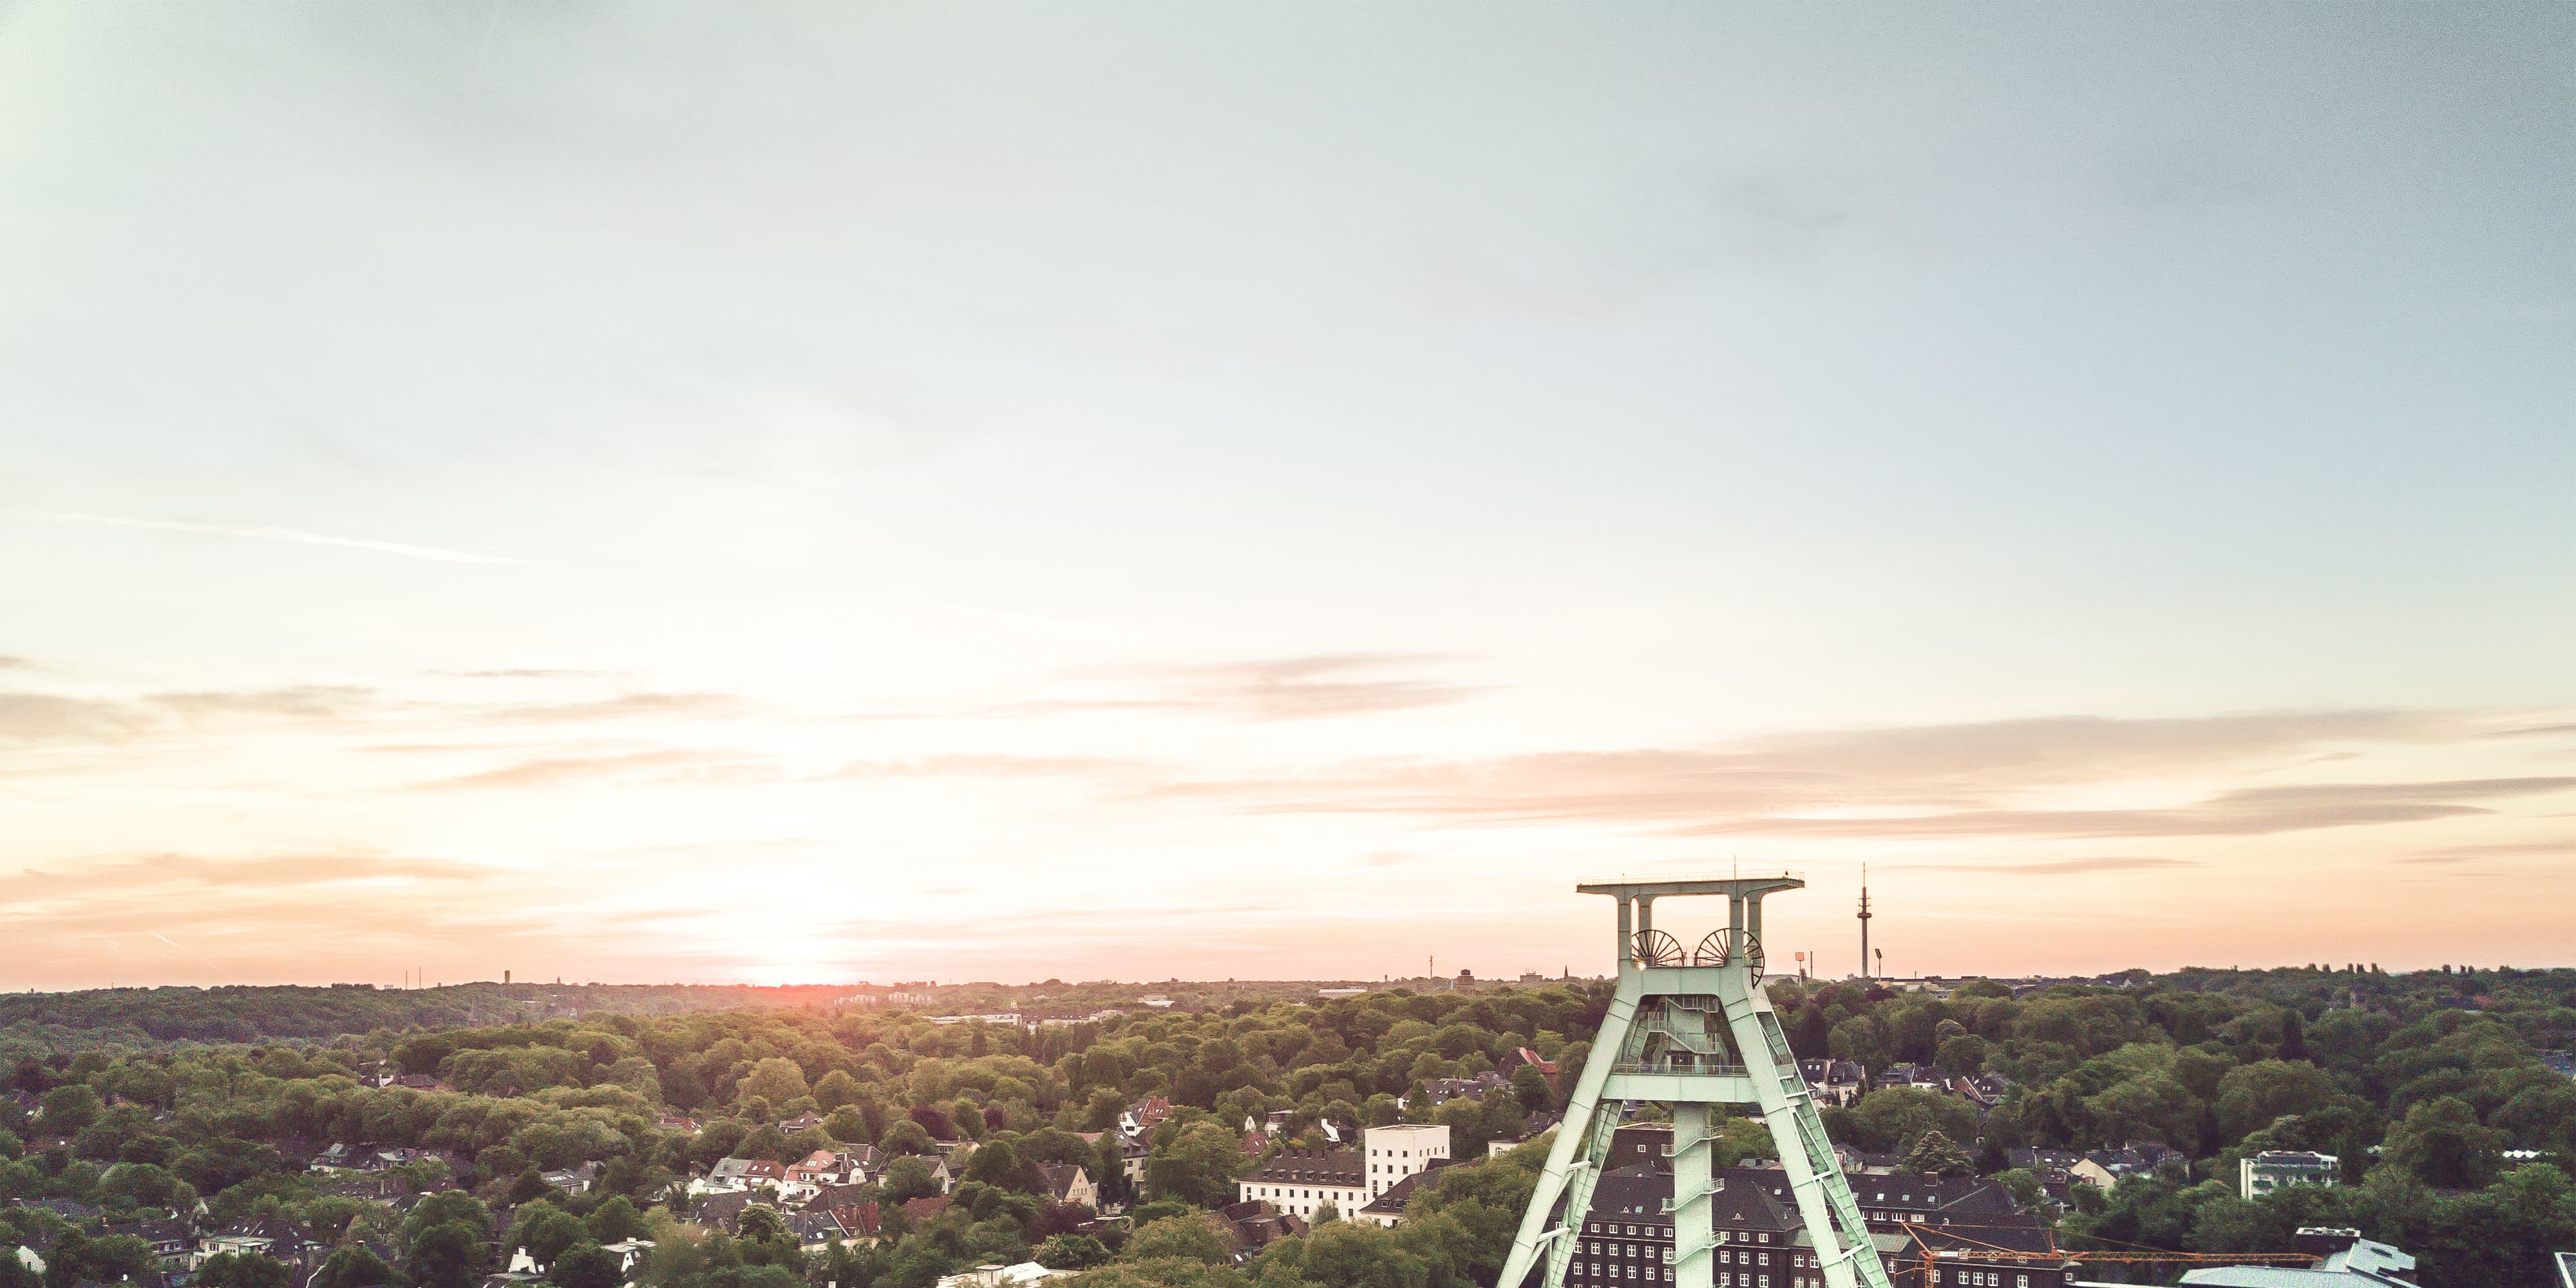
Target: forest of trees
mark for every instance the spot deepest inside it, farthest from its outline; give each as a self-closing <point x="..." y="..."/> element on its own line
<point x="2422" y="1083"/>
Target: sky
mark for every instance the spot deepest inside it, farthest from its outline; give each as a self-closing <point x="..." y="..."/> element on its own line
<point x="834" y="492"/>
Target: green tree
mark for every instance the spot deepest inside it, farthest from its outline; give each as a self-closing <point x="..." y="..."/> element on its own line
<point x="905" y="1136"/>
<point x="1193" y="1237"/>
<point x="909" y="1178"/>
<point x="354" y="1267"/>
<point x="68" y="1108"/>
<point x="244" y="1270"/>
<point x="2250" y="1096"/>
<point x="774" y="1079"/>
<point x="543" y="1231"/>
<point x="450" y="1255"/>
<point x="614" y="1220"/>
<point x="1890" y="1116"/>
<point x="1198" y="1166"/>
<point x="1934" y="1154"/>
<point x="1071" y="1252"/>
<point x="2443" y="1145"/>
<point x="834" y="1090"/>
<point x="586" y="1265"/>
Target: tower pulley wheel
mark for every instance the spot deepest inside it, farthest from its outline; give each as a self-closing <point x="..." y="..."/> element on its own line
<point x="1730" y="947"/>
<point x="1656" y="948"/>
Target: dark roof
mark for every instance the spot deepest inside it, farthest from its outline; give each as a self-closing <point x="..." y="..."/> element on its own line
<point x="835" y="1196"/>
<point x="1397" y="1195"/>
<point x="1059" y="1178"/>
<point x="722" y="1210"/>
<point x="1311" y="1167"/>
<point x="812" y="1226"/>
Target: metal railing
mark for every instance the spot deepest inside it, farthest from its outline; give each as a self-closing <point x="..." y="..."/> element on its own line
<point x="1668" y="878"/>
<point x="1663" y="1069"/>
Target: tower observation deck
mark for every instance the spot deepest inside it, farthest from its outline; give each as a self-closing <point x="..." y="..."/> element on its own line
<point x="1691" y="1028"/>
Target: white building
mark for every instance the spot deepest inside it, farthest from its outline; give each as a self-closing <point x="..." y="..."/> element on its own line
<point x="999" y="1276"/>
<point x="1302" y="1182"/>
<point x="2260" y="1174"/>
<point x="1394" y="1153"/>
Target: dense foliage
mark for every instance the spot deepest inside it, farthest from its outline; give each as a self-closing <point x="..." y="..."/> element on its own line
<point x="2436" y="1071"/>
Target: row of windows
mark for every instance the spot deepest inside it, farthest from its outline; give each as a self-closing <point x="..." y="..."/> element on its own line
<point x="1665" y="1232"/>
<point x="1594" y="1246"/>
<point x="1603" y="1271"/>
<point x="1982" y="1278"/>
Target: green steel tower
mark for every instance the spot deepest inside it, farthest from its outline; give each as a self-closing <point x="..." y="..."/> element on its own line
<point x="1692" y="1030"/>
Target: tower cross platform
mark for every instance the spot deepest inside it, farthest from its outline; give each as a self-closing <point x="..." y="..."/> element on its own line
<point x="1693" y="1030"/>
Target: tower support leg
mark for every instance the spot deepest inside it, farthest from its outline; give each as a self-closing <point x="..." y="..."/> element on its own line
<point x="1694" y="1184"/>
<point x="1840" y="1240"/>
<point x="1574" y="1162"/>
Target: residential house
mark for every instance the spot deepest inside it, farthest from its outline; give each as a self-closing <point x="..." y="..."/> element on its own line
<point x="70" y="1210"/>
<point x="741" y="1174"/>
<point x="1395" y="1152"/>
<point x="2103" y="1168"/>
<point x="2055" y="1168"/>
<point x="574" y="1180"/>
<point x="677" y="1122"/>
<point x="630" y="1254"/>
<point x="1984" y="1090"/>
<point x="999" y="1276"/>
<point x="808" y="1175"/>
<point x="1863" y="1162"/>
<point x="1255" y="1224"/>
<point x="1921" y="1076"/>
<point x="1539" y="1124"/>
<point x="859" y="1220"/>
<point x="1516" y="1057"/>
<point x="1440" y="1091"/>
<point x="265" y="1237"/>
<point x="2273" y="1169"/>
<point x="1069" y="1183"/>
<point x="1136" y="1124"/>
<point x="1301" y="1182"/>
<point x="1388" y="1207"/>
<point x="816" y="1231"/>
<point x="920" y="1210"/>
<point x="723" y="1210"/>
<point x="801" y="1123"/>
<point x="1834" y="1082"/>
<point x="172" y="1238"/>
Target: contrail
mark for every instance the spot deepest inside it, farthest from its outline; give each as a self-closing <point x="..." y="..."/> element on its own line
<point x="295" y="536"/>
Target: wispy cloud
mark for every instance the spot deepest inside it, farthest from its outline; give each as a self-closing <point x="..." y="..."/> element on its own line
<point x="657" y="766"/>
<point x="623" y="706"/>
<point x="1309" y="687"/>
<point x="2058" y="867"/>
<point x="1921" y="782"/>
<point x="530" y="673"/>
<point x="292" y="536"/>
<point x="2564" y="847"/>
<point x="993" y="766"/>
<point x="44" y="717"/>
<point x="2256" y="811"/>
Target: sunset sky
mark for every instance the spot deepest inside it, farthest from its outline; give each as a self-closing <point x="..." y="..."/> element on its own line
<point x="788" y="493"/>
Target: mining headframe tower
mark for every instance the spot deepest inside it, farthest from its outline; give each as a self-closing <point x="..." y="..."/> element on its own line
<point x="1691" y="1029"/>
